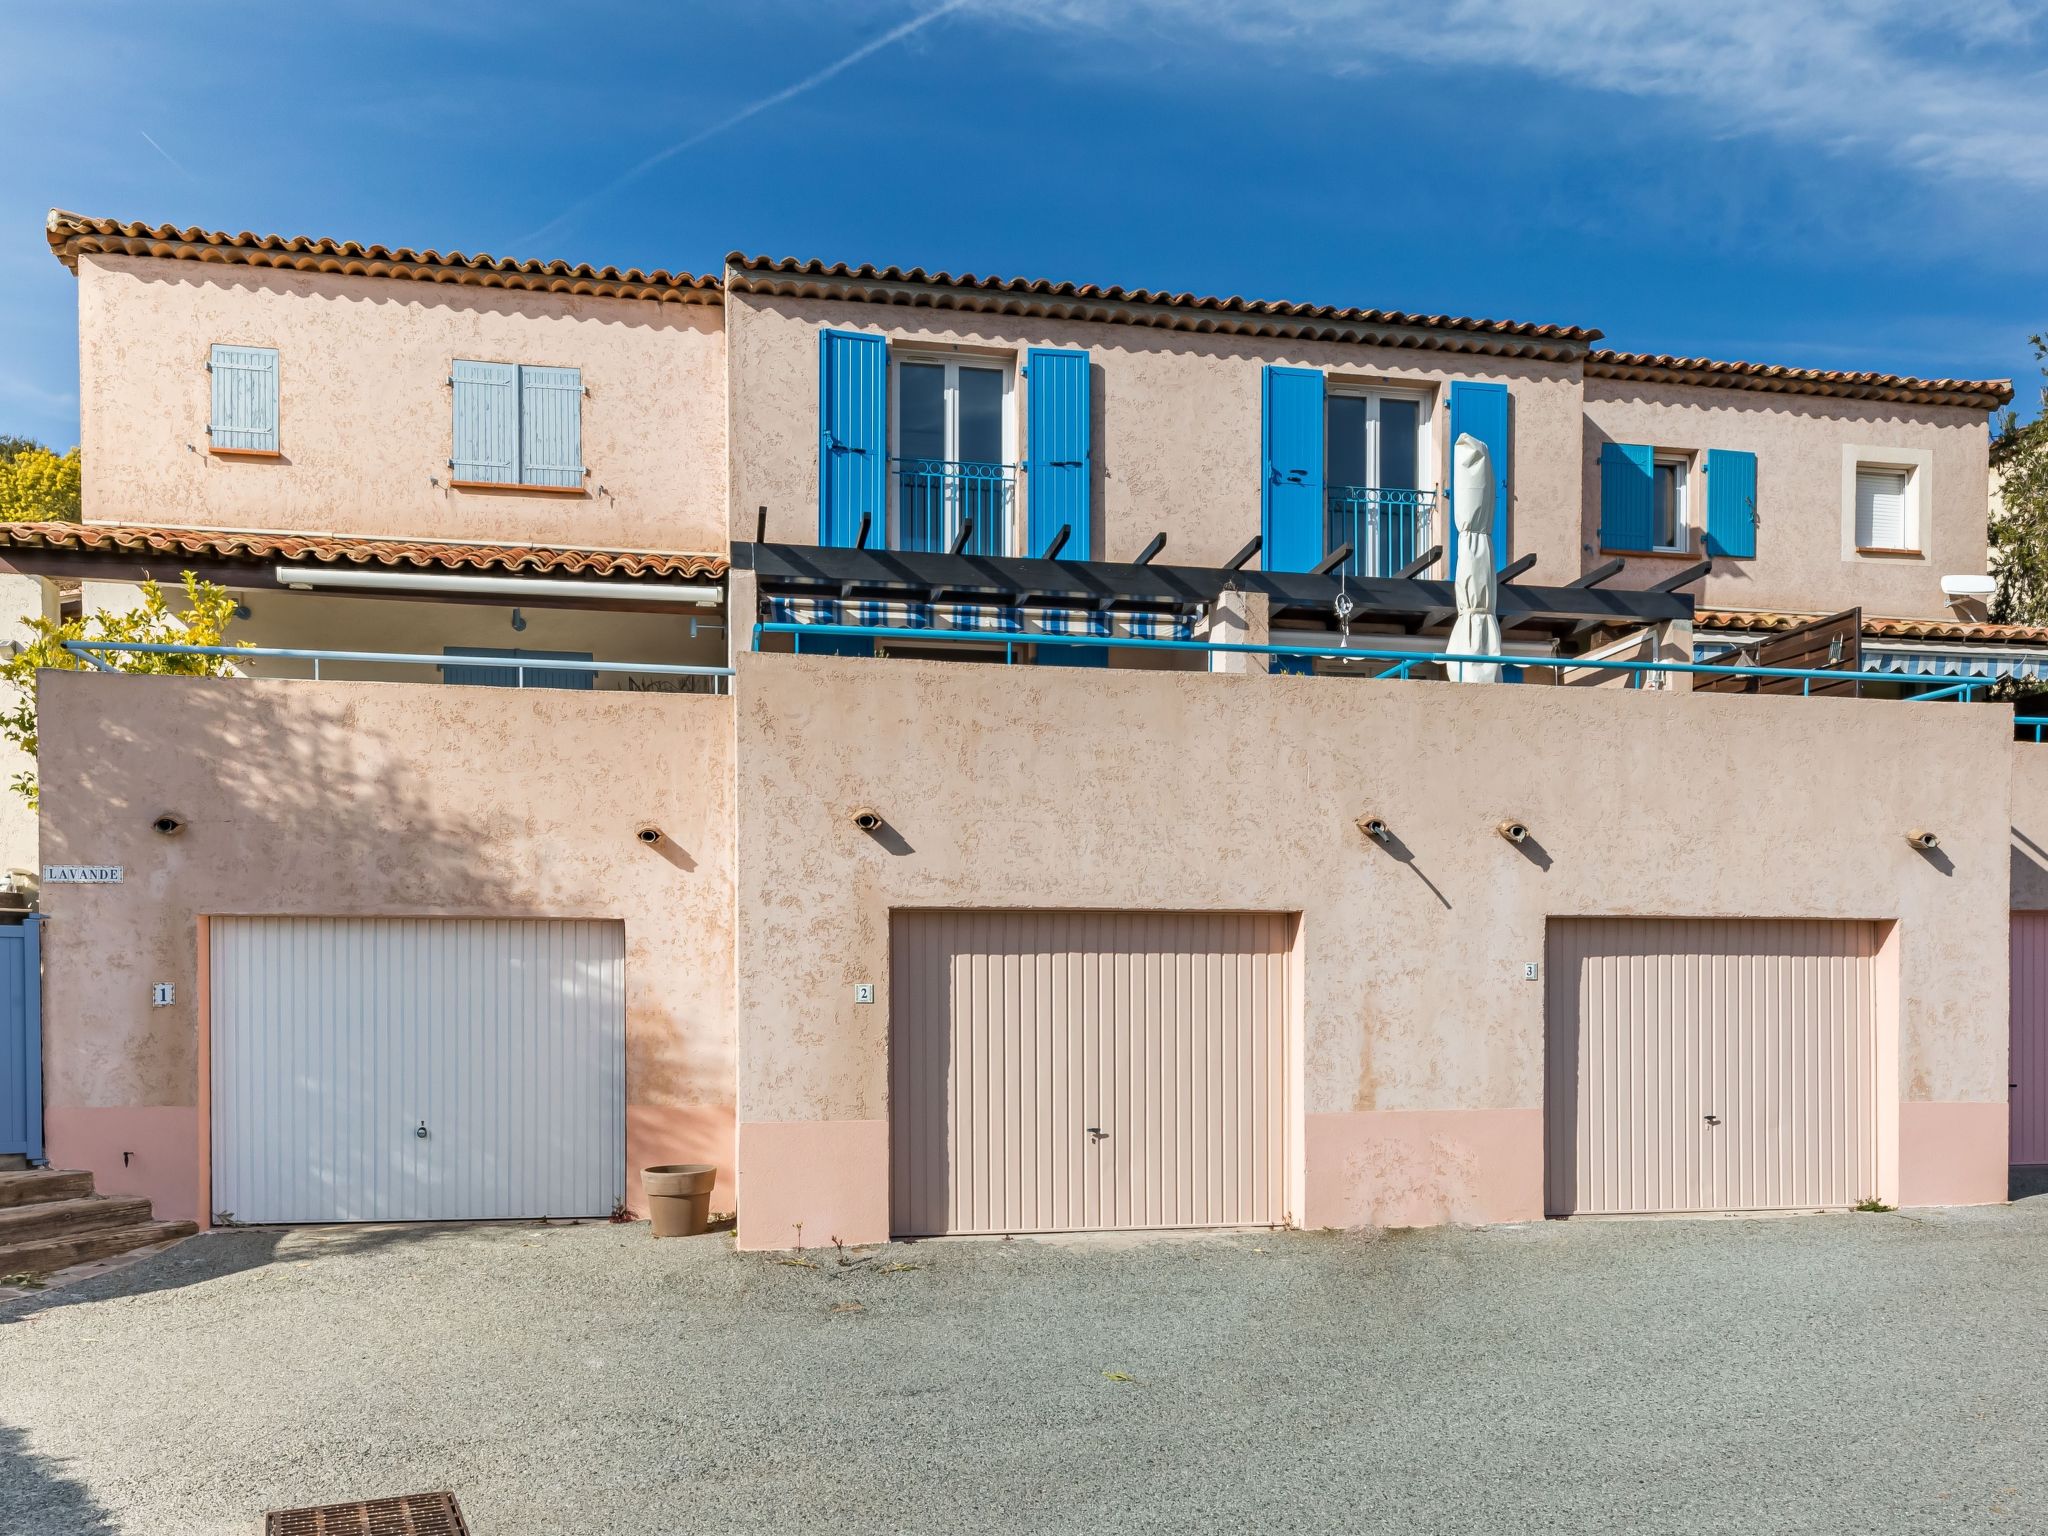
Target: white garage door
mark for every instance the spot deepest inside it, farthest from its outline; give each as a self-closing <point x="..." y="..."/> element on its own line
<point x="417" y="1069"/>
<point x="1073" y="1071"/>
<point x="1705" y="1065"/>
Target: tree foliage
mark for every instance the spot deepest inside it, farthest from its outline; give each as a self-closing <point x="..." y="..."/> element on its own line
<point x="38" y="486"/>
<point x="210" y="610"/>
<point x="2019" y="526"/>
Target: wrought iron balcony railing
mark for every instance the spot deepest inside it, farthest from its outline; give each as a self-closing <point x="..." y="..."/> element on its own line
<point x="937" y="498"/>
<point x="1386" y="529"/>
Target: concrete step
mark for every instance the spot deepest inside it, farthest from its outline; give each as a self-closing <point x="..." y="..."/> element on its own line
<point x="52" y="1253"/>
<point x="61" y="1218"/>
<point x="41" y="1184"/>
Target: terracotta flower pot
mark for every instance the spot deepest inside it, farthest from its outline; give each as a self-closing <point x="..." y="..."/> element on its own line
<point x="679" y="1197"/>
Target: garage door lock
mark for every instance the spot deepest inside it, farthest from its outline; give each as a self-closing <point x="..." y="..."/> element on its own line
<point x="1096" y="1133"/>
<point x="1711" y="1120"/>
<point x="422" y="1131"/>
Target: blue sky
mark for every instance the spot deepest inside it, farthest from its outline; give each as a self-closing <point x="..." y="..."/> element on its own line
<point x="1847" y="185"/>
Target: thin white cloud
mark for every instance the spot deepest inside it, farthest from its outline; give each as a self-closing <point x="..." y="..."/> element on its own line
<point x="753" y="109"/>
<point x="1943" y="87"/>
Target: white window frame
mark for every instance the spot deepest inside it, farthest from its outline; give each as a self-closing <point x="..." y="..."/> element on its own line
<point x="1373" y="392"/>
<point x="1917" y="465"/>
<point x="1682" y="521"/>
<point x="953" y="362"/>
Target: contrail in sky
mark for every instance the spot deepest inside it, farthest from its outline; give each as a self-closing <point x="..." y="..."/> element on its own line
<point x="168" y="156"/>
<point x="788" y="92"/>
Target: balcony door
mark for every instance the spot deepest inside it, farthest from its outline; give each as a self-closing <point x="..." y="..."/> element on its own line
<point x="1375" y="450"/>
<point x="953" y="455"/>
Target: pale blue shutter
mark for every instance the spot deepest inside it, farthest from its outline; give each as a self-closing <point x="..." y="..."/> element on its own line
<point x="1293" y="509"/>
<point x="486" y="440"/>
<point x="1628" y="496"/>
<point x="551" y="426"/>
<point x="244" y="399"/>
<point x="853" y="437"/>
<point x="1059" y="471"/>
<point x="1731" y="503"/>
<point x="1481" y="411"/>
<point x="508" y="676"/>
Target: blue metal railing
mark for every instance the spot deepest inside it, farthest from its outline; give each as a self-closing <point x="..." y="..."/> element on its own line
<point x="2029" y="727"/>
<point x="84" y="649"/>
<point x="1386" y="529"/>
<point x="935" y="497"/>
<point x="1399" y="663"/>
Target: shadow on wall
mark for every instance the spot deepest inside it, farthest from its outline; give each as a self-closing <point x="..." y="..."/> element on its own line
<point x="39" y="1497"/>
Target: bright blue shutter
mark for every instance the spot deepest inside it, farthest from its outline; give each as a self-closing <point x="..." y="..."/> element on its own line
<point x="835" y="645"/>
<point x="244" y="399"/>
<point x="551" y="426"/>
<point x="486" y="423"/>
<point x="1059" y="470"/>
<point x="1481" y="411"/>
<point x="1628" y="496"/>
<point x="1731" y="503"/>
<point x="853" y="437"/>
<point x="1293" y="509"/>
<point x="1073" y="655"/>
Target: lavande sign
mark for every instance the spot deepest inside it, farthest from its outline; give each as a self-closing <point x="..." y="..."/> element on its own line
<point x="81" y="874"/>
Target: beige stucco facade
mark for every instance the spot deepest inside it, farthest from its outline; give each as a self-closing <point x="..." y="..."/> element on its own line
<point x="1806" y="447"/>
<point x="371" y="799"/>
<point x="1423" y="1044"/>
<point x="1176" y="419"/>
<point x="365" y="407"/>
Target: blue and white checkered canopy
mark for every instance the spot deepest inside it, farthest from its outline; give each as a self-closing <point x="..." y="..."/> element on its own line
<point x="977" y="618"/>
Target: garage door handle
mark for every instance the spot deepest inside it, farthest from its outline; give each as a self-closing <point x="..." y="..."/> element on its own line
<point x="1099" y="1135"/>
<point x="1713" y="1119"/>
<point x="422" y="1131"/>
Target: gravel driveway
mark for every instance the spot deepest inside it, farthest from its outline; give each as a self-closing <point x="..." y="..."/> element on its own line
<point x="1823" y="1373"/>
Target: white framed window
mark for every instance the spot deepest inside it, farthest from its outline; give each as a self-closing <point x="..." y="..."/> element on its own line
<point x="1377" y="476"/>
<point x="1885" y="501"/>
<point x="952" y="453"/>
<point x="1671" y="502"/>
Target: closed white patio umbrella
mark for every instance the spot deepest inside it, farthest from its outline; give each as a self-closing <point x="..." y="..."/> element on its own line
<point x="1477" y="632"/>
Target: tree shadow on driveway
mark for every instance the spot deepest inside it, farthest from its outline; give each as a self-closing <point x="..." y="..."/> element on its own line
<point x="39" y="1497"/>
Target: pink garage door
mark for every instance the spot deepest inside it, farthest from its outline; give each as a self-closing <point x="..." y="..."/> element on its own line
<point x="2029" y="1075"/>
<point x="1081" y="1071"/>
<point x="1706" y="1065"/>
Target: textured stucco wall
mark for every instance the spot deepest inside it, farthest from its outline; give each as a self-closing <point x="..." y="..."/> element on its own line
<point x="2029" y="826"/>
<point x="1801" y="563"/>
<point x="365" y="406"/>
<point x="1177" y="420"/>
<point x="364" y="799"/>
<point x="1047" y="788"/>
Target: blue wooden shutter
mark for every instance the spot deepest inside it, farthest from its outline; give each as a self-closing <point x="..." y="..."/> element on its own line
<point x="244" y="399"/>
<point x="486" y="423"/>
<point x="835" y="645"/>
<point x="1060" y="469"/>
<point x="1073" y="655"/>
<point x="1628" y="496"/>
<point x="1481" y="411"/>
<point x="551" y="426"/>
<point x="1731" y="503"/>
<point x="1293" y="506"/>
<point x="853" y="437"/>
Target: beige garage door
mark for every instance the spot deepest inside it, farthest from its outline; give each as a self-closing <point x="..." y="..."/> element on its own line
<point x="1082" y="1071"/>
<point x="1709" y="1066"/>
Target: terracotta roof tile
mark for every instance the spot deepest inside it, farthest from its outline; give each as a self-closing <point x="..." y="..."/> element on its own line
<point x="915" y="286"/>
<point x="113" y="539"/>
<point x="1659" y="368"/>
<point x="1759" y="621"/>
<point x="72" y="235"/>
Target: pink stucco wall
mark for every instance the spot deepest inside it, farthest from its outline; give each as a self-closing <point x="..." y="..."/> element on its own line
<point x="1805" y="561"/>
<point x="371" y="799"/>
<point x="365" y="408"/>
<point x="1177" y="419"/>
<point x="1424" y="1046"/>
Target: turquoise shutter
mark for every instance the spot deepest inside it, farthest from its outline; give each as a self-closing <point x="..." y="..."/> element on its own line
<point x="1060" y="469"/>
<point x="244" y="399"/>
<point x="1731" y="503"/>
<point x="1481" y="411"/>
<point x="1628" y="496"/>
<point x="486" y="439"/>
<point x="551" y="426"/>
<point x="1293" y="512"/>
<point x="835" y="645"/>
<point x="1073" y="655"/>
<point x="853" y="437"/>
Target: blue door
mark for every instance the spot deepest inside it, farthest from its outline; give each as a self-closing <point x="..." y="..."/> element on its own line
<point x="21" y="1039"/>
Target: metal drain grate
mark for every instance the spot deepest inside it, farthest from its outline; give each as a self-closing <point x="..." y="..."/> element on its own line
<point x="412" y="1514"/>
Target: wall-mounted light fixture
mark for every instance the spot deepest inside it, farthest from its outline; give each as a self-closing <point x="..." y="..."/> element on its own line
<point x="518" y="620"/>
